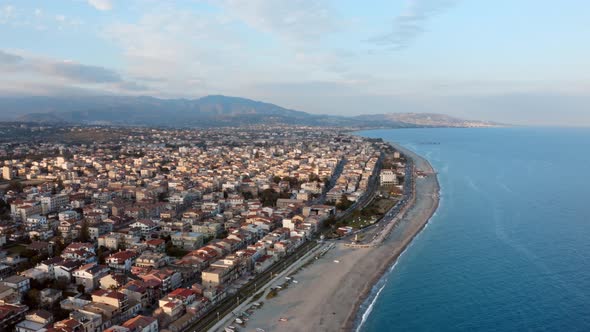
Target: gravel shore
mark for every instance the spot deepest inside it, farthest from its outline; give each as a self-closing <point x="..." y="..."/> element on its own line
<point x="328" y="294"/>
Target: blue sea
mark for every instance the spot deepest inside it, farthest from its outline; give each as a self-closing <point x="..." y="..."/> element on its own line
<point x="509" y="246"/>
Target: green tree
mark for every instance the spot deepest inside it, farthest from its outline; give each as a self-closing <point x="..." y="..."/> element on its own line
<point x="59" y="186"/>
<point x="59" y="246"/>
<point x="101" y="254"/>
<point x="15" y="186"/>
<point x="60" y="283"/>
<point x="293" y="182"/>
<point x="32" y="298"/>
<point x="84" y="232"/>
<point x="330" y="221"/>
<point x="4" y="210"/>
<point x="269" y="197"/>
<point x="172" y="250"/>
<point x="314" y="177"/>
<point x="344" y="203"/>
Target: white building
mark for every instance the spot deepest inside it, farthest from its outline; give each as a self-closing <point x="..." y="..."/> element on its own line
<point x="19" y="283"/>
<point x="53" y="203"/>
<point x="122" y="260"/>
<point x="6" y="173"/>
<point x="387" y="176"/>
<point x="36" y="222"/>
<point x="89" y="275"/>
<point x="67" y="215"/>
<point x="187" y="240"/>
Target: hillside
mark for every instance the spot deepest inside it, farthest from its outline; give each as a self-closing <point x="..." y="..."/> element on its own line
<point x="424" y="120"/>
<point x="209" y="111"/>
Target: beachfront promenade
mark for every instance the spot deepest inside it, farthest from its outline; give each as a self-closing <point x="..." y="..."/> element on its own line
<point x="331" y="290"/>
<point x="389" y="221"/>
<point x="264" y="290"/>
<point x="225" y="309"/>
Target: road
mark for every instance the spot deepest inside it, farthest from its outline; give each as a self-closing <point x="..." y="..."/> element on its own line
<point x="278" y="279"/>
<point x="384" y="225"/>
<point x="227" y="305"/>
<point x="335" y="175"/>
<point x="369" y="194"/>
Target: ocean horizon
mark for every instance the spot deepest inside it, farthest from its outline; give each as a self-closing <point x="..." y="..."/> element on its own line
<point x="506" y="249"/>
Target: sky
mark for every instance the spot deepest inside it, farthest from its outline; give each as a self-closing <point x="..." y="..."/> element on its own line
<point x="514" y="61"/>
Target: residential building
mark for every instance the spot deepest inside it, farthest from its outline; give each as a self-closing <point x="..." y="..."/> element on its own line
<point x="18" y="283"/>
<point x="10" y="315"/>
<point x="187" y="240"/>
<point x="142" y="324"/>
<point x="122" y="260"/>
<point x="89" y="275"/>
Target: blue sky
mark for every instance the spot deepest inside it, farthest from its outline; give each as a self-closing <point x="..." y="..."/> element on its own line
<point x="524" y="61"/>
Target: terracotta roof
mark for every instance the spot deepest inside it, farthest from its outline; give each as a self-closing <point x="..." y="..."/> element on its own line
<point x="155" y="242"/>
<point x="42" y="313"/>
<point x="181" y="292"/>
<point x="122" y="256"/>
<point x="139" y="322"/>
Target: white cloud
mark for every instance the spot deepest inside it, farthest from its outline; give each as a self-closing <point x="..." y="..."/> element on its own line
<point x="101" y="4"/>
<point x="175" y="49"/>
<point x="36" y="19"/>
<point x="9" y="58"/>
<point x="294" y="20"/>
<point x="411" y="23"/>
<point x="64" y="74"/>
<point x="6" y="14"/>
<point x="185" y="52"/>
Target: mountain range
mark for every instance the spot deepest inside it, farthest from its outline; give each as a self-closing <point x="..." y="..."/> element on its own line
<point x="209" y="111"/>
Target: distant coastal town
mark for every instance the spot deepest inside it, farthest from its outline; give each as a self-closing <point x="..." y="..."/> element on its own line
<point x="145" y="229"/>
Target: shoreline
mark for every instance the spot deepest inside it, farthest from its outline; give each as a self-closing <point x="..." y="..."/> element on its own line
<point x="353" y="321"/>
<point x="330" y="292"/>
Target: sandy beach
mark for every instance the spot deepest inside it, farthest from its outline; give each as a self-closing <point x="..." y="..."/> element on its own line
<point x="328" y="294"/>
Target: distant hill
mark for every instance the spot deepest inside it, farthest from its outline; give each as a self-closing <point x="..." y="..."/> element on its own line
<point x="209" y="111"/>
<point x="424" y="120"/>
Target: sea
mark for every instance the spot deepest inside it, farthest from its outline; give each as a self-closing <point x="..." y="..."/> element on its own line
<point x="508" y="248"/>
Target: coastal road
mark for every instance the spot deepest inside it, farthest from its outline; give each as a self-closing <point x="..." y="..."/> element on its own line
<point x="369" y="194"/>
<point x="329" y="293"/>
<point x="225" y="306"/>
<point x="385" y="224"/>
<point x="278" y="279"/>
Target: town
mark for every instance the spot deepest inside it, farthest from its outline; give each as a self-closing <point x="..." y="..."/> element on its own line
<point x="145" y="229"/>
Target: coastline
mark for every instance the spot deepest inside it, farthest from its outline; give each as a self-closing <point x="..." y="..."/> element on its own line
<point x="353" y="322"/>
<point x="331" y="291"/>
